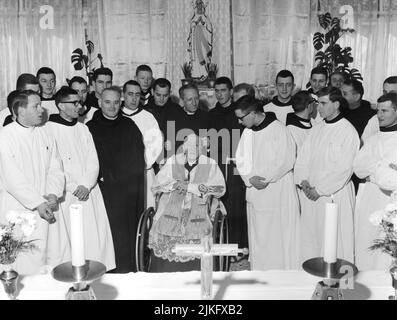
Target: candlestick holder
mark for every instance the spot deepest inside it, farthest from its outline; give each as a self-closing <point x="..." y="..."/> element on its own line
<point x="80" y="277"/>
<point x="329" y="288"/>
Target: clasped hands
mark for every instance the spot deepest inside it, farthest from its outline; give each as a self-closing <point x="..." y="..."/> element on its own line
<point x="82" y="193"/>
<point x="309" y="191"/>
<point x="46" y="209"/>
<point x="180" y="186"/>
<point x="258" y="183"/>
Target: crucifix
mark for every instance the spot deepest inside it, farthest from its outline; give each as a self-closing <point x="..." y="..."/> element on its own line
<point x="206" y="250"/>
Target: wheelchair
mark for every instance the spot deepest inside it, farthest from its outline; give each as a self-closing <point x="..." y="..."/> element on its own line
<point x="143" y="253"/>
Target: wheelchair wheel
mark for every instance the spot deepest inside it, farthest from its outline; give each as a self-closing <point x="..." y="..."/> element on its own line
<point x="221" y="236"/>
<point x="142" y="252"/>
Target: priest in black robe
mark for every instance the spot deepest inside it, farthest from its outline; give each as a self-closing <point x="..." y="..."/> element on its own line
<point x="223" y="119"/>
<point x="120" y="148"/>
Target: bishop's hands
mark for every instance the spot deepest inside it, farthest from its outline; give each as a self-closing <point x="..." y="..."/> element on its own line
<point x="258" y="183"/>
<point x="309" y="191"/>
<point x="82" y="193"/>
<point x="46" y="212"/>
<point x="180" y="186"/>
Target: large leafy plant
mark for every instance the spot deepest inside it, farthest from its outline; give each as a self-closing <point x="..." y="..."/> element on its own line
<point x="81" y="60"/>
<point x="330" y="55"/>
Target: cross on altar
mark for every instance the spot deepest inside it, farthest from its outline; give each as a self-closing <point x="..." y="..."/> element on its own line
<point x="206" y="250"/>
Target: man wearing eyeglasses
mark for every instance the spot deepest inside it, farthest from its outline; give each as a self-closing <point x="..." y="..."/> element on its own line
<point x="80" y="163"/>
<point x="265" y="157"/>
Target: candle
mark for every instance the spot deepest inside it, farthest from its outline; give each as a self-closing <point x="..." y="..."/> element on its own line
<point x="330" y="232"/>
<point x="77" y="235"/>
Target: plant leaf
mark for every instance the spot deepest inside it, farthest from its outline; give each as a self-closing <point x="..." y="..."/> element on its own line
<point x="324" y="20"/>
<point x="318" y="40"/>
<point x="90" y="46"/>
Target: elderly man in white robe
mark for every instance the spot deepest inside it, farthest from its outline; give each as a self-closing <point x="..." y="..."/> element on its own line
<point x="187" y="180"/>
<point x="80" y="162"/>
<point x="147" y="124"/>
<point x="323" y="171"/>
<point x="31" y="177"/>
<point x="377" y="162"/>
<point x="265" y="157"/>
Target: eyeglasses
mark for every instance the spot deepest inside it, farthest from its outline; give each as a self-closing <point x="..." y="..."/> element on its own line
<point x="241" y="118"/>
<point x="76" y="102"/>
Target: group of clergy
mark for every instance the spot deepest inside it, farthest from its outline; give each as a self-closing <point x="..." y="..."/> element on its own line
<point x="281" y="163"/>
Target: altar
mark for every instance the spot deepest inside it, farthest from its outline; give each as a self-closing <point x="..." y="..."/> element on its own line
<point x="240" y="285"/>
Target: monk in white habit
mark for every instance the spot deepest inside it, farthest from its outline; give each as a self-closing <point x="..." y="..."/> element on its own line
<point x="186" y="182"/>
<point x="265" y="157"/>
<point x="377" y="162"/>
<point x="31" y="177"/>
<point x="147" y="124"/>
<point x="323" y="170"/>
<point x="81" y="166"/>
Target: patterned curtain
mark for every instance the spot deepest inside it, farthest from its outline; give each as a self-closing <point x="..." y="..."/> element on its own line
<point x="374" y="42"/>
<point x="271" y="35"/>
<point x="28" y="40"/>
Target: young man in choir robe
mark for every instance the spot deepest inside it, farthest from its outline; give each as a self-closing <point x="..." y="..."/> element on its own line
<point x="121" y="154"/>
<point x="186" y="182"/>
<point x="101" y="79"/>
<point x="389" y="85"/>
<point x="147" y="124"/>
<point x="299" y="123"/>
<point x="323" y="170"/>
<point x="190" y="120"/>
<point x="281" y="104"/>
<point x="47" y="79"/>
<point x="31" y="178"/>
<point x="25" y="81"/>
<point x="81" y="166"/>
<point x="359" y="112"/>
<point x="80" y="85"/>
<point x="265" y="157"/>
<point x="376" y="162"/>
<point x="144" y="76"/>
<point x="318" y="80"/>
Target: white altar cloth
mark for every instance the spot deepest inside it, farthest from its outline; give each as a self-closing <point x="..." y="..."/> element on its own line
<point x="242" y="285"/>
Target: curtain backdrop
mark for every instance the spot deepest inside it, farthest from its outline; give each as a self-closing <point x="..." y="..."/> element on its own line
<point x="374" y="42"/>
<point x="25" y="46"/>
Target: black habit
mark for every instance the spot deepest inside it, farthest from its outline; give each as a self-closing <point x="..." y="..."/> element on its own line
<point x="120" y="149"/>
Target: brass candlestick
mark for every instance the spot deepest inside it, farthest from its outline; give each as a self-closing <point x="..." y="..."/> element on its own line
<point x="80" y="277"/>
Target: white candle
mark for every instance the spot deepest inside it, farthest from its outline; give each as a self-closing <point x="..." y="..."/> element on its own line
<point x="77" y="235"/>
<point x="330" y="232"/>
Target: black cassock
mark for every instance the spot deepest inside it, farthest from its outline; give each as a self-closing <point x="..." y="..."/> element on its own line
<point x="234" y="198"/>
<point x="120" y="149"/>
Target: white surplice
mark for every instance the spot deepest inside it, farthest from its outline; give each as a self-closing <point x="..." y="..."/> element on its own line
<point x="4" y="113"/>
<point x="272" y="213"/>
<point x="371" y="128"/>
<point x="281" y="112"/>
<point x="80" y="162"/>
<point x="153" y="140"/>
<point x="373" y="160"/>
<point x="30" y="168"/>
<point x="326" y="162"/>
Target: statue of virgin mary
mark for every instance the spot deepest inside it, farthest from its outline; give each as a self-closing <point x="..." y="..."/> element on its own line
<point x="200" y="41"/>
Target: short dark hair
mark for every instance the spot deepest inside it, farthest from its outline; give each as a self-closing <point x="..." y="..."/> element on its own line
<point x="338" y="72"/>
<point x="26" y="79"/>
<point x="285" y="74"/>
<point x="391" y="80"/>
<point x="10" y="99"/>
<point x="78" y="80"/>
<point x="112" y="88"/>
<point x="356" y="85"/>
<point x="391" y="96"/>
<point x="319" y="70"/>
<point x="102" y="71"/>
<point x="45" y="70"/>
<point x="246" y="87"/>
<point x="21" y="100"/>
<point x="334" y="95"/>
<point x="301" y="100"/>
<point x="187" y="87"/>
<point x="248" y="104"/>
<point x="224" y="80"/>
<point x="62" y="94"/>
<point x="143" y="67"/>
<point x="131" y="83"/>
<point x="162" y="83"/>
